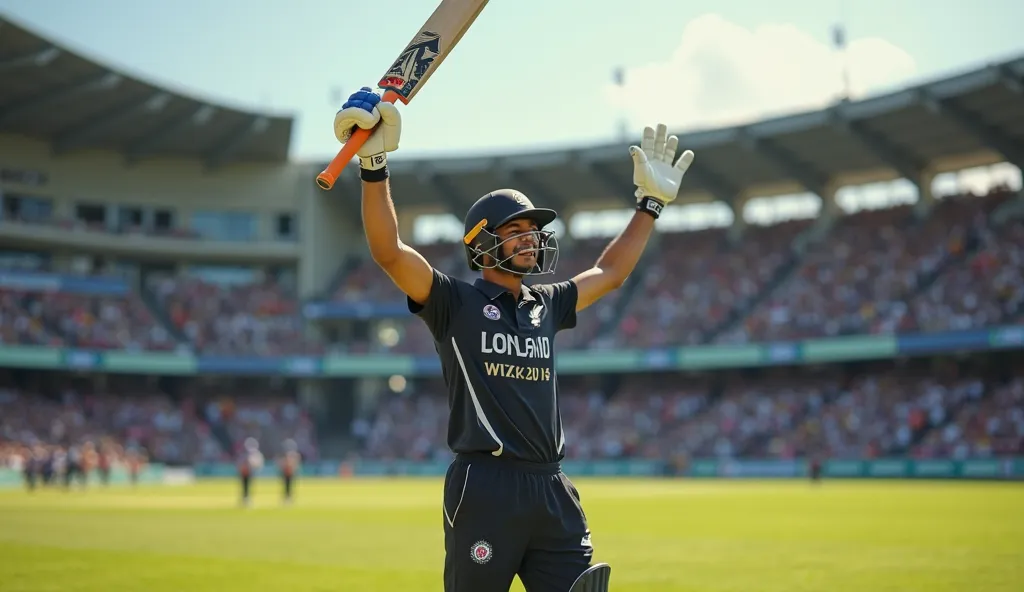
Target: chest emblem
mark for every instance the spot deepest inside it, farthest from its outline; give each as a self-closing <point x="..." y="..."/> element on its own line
<point x="492" y="312"/>
<point x="535" y="313"/>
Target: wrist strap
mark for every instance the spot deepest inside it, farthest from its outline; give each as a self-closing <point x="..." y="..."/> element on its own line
<point x="649" y="205"/>
<point x="374" y="167"/>
<point x="373" y="175"/>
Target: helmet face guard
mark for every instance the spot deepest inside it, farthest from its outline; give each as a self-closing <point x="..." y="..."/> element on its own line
<point x="486" y="250"/>
<point x="489" y="244"/>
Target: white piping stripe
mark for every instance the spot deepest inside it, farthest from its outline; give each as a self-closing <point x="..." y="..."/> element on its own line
<point x="476" y="402"/>
<point x="561" y="431"/>
<point x="451" y="521"/>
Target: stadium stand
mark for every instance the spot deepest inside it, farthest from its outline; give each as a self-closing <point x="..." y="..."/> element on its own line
<point x="872" y="411"/>
<point x="170" y="284"/>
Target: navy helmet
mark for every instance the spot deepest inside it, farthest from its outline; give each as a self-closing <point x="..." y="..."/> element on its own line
<point x="496" y="209"/>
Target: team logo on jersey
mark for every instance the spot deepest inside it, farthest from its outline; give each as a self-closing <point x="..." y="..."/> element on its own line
<point x="535" y="313"/>
<point x="492" y="312"/>
<point x="481" y="552"/>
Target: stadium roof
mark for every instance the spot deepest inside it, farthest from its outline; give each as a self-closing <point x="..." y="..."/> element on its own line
<point x="51" y="93"/>
<point x="972" y="119"/>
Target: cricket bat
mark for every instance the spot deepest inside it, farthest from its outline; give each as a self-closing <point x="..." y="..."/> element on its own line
<point x="421" y="58"/>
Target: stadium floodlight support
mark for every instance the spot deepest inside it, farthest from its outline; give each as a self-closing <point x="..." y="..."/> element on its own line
<point x="48" y="97"/>
<point x="152" y="140"/>
<point x="233" y="142"/>
<point x="457" y="200"/>
<point x="1011" y="81"/>
<point x="906" y="165"/>
<point x="1012" y="151"/>
<point x="812" y="180"/>
<point x="97" y="124"/>
<point x="537" y="190"/>
<point x="617" y="186"/>
<point x="36" y="57"/>
<point x="714" y="184"/>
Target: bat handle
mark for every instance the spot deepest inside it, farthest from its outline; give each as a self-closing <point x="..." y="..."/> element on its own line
<point x="329" y="175"/>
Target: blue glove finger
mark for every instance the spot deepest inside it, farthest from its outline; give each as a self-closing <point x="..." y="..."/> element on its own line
<point x="363" y="98"/>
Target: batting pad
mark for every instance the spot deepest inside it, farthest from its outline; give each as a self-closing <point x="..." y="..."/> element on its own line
<point x="595" y="579"/>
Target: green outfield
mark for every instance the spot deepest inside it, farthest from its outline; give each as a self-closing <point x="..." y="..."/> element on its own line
<point x="385" y="535"/>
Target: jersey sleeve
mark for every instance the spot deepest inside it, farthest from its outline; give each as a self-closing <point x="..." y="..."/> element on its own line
<point x="564" y="296"/>
<point x="440" y="308"/>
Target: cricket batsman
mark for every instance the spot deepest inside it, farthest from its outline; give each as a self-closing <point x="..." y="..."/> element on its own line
<point x="250" y="463"/>
<point x="508" y="509"/>
<point x="289" y="463"/>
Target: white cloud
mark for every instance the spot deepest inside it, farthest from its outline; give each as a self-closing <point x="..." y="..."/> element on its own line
<point x="724" y="74"/>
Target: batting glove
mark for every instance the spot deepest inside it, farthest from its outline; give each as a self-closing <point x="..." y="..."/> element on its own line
<point x="364" y="109"/>
<point x="654" y="173"/>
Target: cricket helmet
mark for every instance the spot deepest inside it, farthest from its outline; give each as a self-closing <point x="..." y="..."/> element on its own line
<point x="493" y="211"/>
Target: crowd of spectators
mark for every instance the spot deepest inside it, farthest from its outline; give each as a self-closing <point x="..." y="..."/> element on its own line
<point x="785" y="414"/>
<point x="876" y="271"/>
<point x="202" y="424"/>
<point x="865" y="274"/>
<point x="259" y="317"/>
<point x="700" y="278"/>
<point x="65" y="319"/>
<point x="940" y="408"/>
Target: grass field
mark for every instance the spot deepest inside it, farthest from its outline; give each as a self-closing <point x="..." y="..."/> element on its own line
<point x="385" y="535"/>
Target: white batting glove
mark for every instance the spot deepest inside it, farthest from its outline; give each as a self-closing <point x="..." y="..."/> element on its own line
<point x="365" y="109"/>
<point x="654" y="173"/>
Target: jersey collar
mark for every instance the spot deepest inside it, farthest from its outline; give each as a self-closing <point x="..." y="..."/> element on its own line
<point x="493" y="291"/>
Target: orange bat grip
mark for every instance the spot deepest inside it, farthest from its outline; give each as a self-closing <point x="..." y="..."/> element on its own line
<point x="330" y="174"/>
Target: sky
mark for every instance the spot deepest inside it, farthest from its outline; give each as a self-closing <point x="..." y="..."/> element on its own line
<point x="532" y="75"/>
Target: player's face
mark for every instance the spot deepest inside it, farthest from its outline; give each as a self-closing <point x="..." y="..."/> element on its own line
<point x="520" y="240"/>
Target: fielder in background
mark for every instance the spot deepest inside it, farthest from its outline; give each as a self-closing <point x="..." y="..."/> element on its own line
<point x="508" y="509"/>
<point x="289" y="464"/>
<point x="249" y="464"/>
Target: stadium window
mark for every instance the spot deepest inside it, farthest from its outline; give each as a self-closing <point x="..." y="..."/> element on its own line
<point x="693" y="217"/>
<point x="429" y="229"/>
<point x="286" y="227"/>
<point x="977" y="180"/>
<point x="766" y="211"/>
<point x="91" y="215"/>
<point x="225" y="226"/>
<point x="27" y="208"/>
<point x="163" y="220"/>
<point x="876" y="196"/>
<point x="599" y="224"/>
<point x="129" y="218"/>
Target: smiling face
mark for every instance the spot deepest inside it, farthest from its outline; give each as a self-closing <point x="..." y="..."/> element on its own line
<point x="519" y="240"/>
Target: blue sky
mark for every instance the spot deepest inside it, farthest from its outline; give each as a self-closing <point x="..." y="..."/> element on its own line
<point x="532" y="74"/>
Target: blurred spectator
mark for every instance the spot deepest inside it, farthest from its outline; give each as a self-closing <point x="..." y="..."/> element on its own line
<point x="257" y="318"/>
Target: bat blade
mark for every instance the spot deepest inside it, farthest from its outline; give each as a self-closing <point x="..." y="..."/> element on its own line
<point x="410" y="71"/>
<point x="430" y="46"/>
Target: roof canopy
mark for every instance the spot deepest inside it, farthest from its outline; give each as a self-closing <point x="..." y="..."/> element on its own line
<point x="51" y="93"/>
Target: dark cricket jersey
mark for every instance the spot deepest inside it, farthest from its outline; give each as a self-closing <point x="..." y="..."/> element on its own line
<point x="497" y="356"/>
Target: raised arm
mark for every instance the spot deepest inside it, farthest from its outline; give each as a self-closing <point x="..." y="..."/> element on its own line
<point x="407" y="268"/>
<point x="657" y="179"/>
<point x="616" y="262"/>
